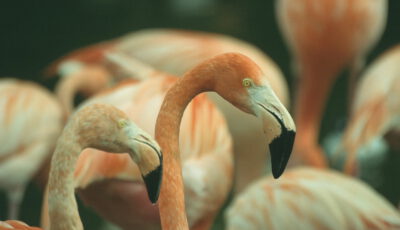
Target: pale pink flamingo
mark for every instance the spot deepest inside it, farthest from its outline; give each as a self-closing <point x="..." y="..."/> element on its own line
<point x="205" y="193"/>
<point x="110" y="183"/>
<point x="100" y="127"/>
<point x="30" y="121"/>
<point x="311" y="198"/>
<point x="376" y="107"/>
<point x="175" y="52"/>
<point x="324" y="37"/>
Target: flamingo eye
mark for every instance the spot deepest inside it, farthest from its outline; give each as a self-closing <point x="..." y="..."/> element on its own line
<point x="247" y="82"/>
<point x="122" y="123"/>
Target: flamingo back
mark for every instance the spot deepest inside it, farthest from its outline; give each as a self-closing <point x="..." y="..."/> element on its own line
<point x="30" y="122"/>
<point x="177" y="51"/>
<point x="376" y="108"/>
<point x="205" y="145"/>
<point x="27" y="111"/>
<point x="310" y="198"/>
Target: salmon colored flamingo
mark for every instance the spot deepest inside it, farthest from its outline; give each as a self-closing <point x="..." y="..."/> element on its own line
<point x="325" y="37"/>
<point x="175" y="52"/>
<point x="308" y="199"/>
<point x="110" y="183"/>
<point x="30" y="121"/>
<point x="376" y="107"/>
<point x="238" y="80"/>
<point x="100" y="127"/>
<point x="206" y="159"/>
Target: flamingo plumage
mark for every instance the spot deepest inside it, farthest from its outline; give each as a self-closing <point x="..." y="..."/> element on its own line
<point x="15" y="224"/>
<point x="177" y="51"/>
<point x="206" y="154"/>
<point x="376" y="107"/>
<point x="30" y="121"/>
<point x="101" y="127"/>
<point x="238" y="80"/>
<point x="308" y="198"/>
<point x="324" y="37"/>
<point x="238" y="66"/>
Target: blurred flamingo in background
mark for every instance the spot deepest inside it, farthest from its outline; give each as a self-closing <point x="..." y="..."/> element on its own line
<point x="101" y="127"/>
<point x="376" y="107"/>
<point x="88" y="80"/>
<point x="30" y="121"/>
<point x="324" y="37"/>
<point x="111" y="184"/>
<point x="310" y="198"/>
<point x="175" y="52"/>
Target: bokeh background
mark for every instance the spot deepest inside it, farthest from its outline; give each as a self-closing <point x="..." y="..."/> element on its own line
<point x="35" y="33"/>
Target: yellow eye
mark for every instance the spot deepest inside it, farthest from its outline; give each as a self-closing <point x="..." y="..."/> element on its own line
<point x="247" y="82"/>
<point x="122" y="123"/>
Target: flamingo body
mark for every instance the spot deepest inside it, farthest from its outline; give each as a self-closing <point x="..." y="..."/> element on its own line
<point x="206" y="153"/>
<point x="16" y="225"/>
<point x="311" y="198"/>
<point x="31" y="120"/>
<point x="376" y="108"/>
<point x="325" y="37"/>
<point x="177" y="51"/>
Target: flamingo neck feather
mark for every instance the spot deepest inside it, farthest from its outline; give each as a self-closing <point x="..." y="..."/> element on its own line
<point x="63" y="209"/>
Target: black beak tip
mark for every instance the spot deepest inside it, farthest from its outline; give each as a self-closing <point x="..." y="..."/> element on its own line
<point x="281" y="148"/>
<point x="153" y="183"/>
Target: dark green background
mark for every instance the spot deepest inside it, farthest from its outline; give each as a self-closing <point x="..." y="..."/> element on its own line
<point x="35" y="32"/>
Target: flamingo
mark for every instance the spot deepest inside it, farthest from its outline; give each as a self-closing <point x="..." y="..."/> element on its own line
<point x="30" y="122"/>
<point x="238" y="80"/>
<point x="175" y="52"/>
<point x="308" y="198"/>
<point x="206" y="160"/>
<point x="325" y="37"/>
<point x="101" y="127"/>
<point x="376" y="110"/>
<point x="110" y="183"/>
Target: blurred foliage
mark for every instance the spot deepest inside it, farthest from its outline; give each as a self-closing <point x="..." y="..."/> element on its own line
<point x="35" y="33"/>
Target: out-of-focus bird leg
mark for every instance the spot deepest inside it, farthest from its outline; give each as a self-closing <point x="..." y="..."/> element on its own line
<point x="15" y="196"/>
<point x="355" y="70"/>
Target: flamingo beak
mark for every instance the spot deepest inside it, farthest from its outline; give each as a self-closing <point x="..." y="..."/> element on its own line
<point x="280" y="131"/>
<point x="149" y="160"/>
<point x="153" y="183"/>
<point x="280" y="149"/>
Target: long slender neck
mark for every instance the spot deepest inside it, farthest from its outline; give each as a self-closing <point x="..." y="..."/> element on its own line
<point x="63" y="208"/>
<point x="312" y="93"/>
<point x="171" y="201"/>
<point x="66" y="91"/>
<point x="89" y="80"/>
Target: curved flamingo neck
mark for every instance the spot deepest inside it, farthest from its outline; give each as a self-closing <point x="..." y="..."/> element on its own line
<point x="171" y="201"/>
<point x="66" y="91"/>
<point x="312" y="94"/>
<point x="63" y="209"/>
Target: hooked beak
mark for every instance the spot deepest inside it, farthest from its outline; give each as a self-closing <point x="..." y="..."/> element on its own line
<point x="280" y="131"/>
<point x="150" y="164"/>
